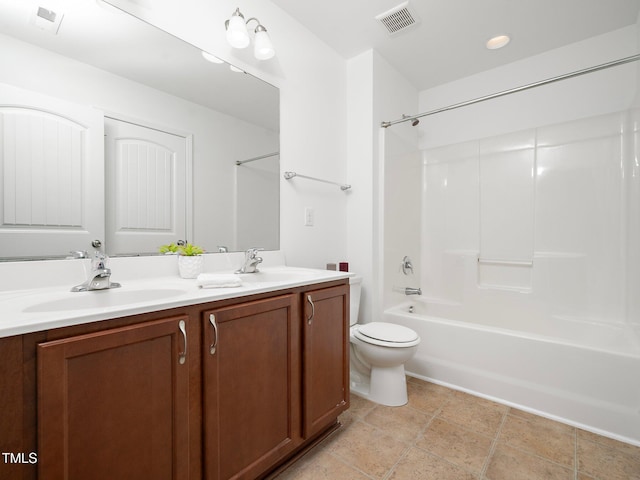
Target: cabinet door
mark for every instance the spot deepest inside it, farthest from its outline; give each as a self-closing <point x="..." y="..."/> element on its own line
<point x="251" y="386"/>
<point x="326" y="357"/>
<point x="114" y="404"/>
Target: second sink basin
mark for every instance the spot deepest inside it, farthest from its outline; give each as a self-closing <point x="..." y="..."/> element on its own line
<point x="280" y="275"/>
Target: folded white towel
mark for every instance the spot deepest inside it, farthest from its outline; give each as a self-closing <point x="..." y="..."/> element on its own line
<point x="218" y="280"/>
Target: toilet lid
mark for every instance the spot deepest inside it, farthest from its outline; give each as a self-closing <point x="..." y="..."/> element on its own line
<point x="388" y="332"/>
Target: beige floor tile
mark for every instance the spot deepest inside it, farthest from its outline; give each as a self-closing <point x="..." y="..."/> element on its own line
<point x="479" y="400"/>
<point x="360" y="407"/>
<point x="421" y="465"/>
<point x="368" y="449"/>
<point x="610" y="442"/>
<point x="427" y="397"/>
<point x="542" y="421"/>
<point x="540" y="438"/>
<point x="404" y="423"/>
<point x="324" y="467"/>
<point x="456" y="444"/>
<point x="604" y="462"/>
<point x="477" y="414"/>
<point x="410" y="443"/>
<point x="511" y="464"/>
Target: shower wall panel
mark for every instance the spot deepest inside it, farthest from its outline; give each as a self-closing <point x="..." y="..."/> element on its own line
<point x="541" y="213"/>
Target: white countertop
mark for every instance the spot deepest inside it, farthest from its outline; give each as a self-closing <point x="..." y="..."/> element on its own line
<point x="31" y="310"/>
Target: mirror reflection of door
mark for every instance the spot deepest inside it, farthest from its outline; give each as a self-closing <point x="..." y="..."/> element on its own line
<point x="146" y="172"/>
<point x="51" y="175"/>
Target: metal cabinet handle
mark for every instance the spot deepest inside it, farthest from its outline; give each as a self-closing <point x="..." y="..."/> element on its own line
<point x="182" y="357"/>
<point x="313" y="310"/>
<point x="213" y="346"/>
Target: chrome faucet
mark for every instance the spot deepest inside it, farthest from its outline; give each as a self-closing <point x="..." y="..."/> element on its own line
<point x="251" y="261"/>
<point x="99" y="277"/>
<point x="413" y="291"/>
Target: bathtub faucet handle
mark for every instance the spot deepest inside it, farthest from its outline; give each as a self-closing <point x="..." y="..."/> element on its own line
<point x="407" y="266"/>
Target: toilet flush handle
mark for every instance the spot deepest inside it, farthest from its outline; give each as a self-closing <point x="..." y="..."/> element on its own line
<point x="313" y="310"/>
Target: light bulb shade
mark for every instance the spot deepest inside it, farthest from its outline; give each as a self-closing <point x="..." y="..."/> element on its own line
<point x="237" y="34"/>
<point x="263" y="48"/>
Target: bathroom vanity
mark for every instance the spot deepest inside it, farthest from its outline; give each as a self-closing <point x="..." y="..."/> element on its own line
<point x="217" y="384"/>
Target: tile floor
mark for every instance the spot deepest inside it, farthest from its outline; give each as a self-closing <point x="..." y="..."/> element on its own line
<point x="443" y="434"/>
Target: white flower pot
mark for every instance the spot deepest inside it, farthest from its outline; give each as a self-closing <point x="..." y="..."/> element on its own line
<point x="190" y="266"/>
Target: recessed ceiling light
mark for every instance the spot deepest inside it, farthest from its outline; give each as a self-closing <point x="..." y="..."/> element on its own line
<point x="498" y="41"/>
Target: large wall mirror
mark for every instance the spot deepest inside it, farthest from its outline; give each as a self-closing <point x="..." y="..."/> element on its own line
<point x="113" y="130"/>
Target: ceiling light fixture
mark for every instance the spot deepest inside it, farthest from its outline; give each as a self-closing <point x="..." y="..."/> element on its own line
<point x="498" y="41"/>
<point x="238" y="36"/>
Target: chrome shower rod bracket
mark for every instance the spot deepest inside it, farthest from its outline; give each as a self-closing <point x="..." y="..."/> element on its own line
<point x="290" y="175"/>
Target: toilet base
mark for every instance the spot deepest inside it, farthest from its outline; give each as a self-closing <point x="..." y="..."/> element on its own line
<point x="389" y="386"/>
<point x="386" y="386"/>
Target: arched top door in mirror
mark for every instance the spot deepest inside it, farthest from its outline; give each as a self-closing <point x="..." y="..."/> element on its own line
<point x="111" y="61"/>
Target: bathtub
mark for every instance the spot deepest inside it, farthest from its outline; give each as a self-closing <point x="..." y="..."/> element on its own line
<point x="584" y="375"/>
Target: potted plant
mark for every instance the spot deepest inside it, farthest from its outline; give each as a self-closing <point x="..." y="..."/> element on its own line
<point x="169" y="249"/>
<point x="190" y="259"/>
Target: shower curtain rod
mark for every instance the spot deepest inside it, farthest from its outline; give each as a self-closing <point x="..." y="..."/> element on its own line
<point x="240" y="162"/>
<point x="614" y="63"/>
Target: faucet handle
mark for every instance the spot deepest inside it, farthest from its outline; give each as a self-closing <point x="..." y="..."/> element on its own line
<point x="407" y="266"/>
<point x="99" y="260"/>
<point x="253" y="251"/>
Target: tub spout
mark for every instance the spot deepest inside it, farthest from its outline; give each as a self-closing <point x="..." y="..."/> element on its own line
<point x="413" y="291"/>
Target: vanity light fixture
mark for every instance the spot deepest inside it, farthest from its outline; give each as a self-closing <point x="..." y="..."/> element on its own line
<point x="238" y="36"/>
<point x="497" y="42"/>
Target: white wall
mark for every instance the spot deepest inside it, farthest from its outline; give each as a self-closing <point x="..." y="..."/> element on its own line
<point x="377" y="92"/>
<point x="313" y="133"/>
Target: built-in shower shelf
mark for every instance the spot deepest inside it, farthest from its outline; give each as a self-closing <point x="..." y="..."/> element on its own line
<point x="507" y="275"/>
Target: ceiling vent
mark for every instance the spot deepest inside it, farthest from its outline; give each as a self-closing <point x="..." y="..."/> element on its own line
<point x="46" y="19"/>
<point x="398" y="19"/>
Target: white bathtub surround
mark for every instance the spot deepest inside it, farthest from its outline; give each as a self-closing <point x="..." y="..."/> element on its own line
<point x="526" y="262"/>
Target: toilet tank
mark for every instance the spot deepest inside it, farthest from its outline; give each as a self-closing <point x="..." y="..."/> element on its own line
<point x="355" y="284"/>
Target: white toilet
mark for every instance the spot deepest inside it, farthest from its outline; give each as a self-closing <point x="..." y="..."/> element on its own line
<point x="379" y="351"/>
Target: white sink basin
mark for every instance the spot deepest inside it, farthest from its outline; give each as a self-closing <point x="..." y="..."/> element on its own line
<point x="103" y="299"/>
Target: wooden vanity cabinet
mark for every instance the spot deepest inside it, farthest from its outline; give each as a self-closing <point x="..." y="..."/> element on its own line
<point x="325" y="357"/>
<point x="114" y="404"/>
<point x="251" y="373"/>
<point x="232" y="389"/>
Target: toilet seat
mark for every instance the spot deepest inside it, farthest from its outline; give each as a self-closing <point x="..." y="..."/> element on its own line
<point x="386" y="335"/>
